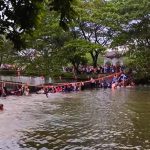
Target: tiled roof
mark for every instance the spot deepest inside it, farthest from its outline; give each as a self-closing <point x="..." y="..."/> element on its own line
<point x="112" y="54"/>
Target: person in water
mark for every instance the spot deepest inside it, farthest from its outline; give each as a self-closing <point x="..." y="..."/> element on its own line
<point x="46" y="91"/>
<point x="1" y="107"/>
<point x="114" y="82"/>
<point x="26" y="90"/>
<point x="122" y="79"/>
<point x="3" y="90"/>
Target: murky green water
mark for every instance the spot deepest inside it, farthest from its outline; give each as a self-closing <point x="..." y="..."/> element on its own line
<point x="90" y="120"/>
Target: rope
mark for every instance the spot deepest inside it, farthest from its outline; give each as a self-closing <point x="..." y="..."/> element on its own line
<point x="59" y="84"/>
<point x="88" y="81"/>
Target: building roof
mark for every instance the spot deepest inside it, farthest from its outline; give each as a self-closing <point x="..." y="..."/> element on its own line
<point x="112" y="54"/>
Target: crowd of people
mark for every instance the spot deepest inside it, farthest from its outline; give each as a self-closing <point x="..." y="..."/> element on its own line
<point x="113" y="81"/>
<point x="122" y="80"/>
<point x="101" y="69"/>
<point x="19" y="90"/>
<point x="118" y="80"/>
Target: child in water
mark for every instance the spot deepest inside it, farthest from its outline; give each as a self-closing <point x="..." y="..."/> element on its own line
<point x="1" y="107"/>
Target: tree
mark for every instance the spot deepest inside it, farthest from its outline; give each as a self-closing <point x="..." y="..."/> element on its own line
<point x="91" y="28"/>
<point x="133" y="30"/>
<point x="40" y="56"/>
<point x="17" y="17"/>
<point x="74" y="52"/>
<point x="6" y="48"/>
<point x="22" y="16"/>
<point x="140" y="61"/>
<point x="66" y="10"/>
<point x="131" y="21"/>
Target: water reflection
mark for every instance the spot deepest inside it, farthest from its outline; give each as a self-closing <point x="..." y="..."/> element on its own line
<point x="140" y="105"/>
<point x="98" y="119"/>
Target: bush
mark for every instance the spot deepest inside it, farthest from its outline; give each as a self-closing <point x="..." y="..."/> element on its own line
<point x="8" y="72"/>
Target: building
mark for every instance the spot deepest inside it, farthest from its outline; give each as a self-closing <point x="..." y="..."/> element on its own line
<point x="113" y="57"/>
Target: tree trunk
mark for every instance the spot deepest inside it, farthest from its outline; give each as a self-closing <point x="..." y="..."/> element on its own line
<point x="94" y="58"/>
<point x="1" y="60"/>
<point x="76" y="69"/>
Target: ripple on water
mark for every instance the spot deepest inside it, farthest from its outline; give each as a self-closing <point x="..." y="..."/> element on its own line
<point x="101" y="119"/>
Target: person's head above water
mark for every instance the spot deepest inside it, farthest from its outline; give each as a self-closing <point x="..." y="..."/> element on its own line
<point x="1" y="106"/>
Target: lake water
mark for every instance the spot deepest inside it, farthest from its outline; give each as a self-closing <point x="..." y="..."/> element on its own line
<point x="89" y="120"/>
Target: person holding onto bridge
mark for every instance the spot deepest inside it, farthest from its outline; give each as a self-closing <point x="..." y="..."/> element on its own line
<point x="1" y="107"/>
<point x="4" y="91"/>
<point x="114" y="82"/>
<point x="123" y="79"/>
<point x="26" y="90"/>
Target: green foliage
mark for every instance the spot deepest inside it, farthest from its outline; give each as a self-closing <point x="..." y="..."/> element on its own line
<point x="8" y="72"/>
<point x="66" y="10"/>
<point x="90" y="27"/>
<point x="6" y="52"/>
<point x="23" y="16"/>
<point x="131" y="27"/>
<point x="97" y="25"/>
<point x="44" y="43"/>
<point x="132" y="22"/>
<point x="140" y="61"/>
<point x="74" y="52"/>
<point x="18" y="17"/>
